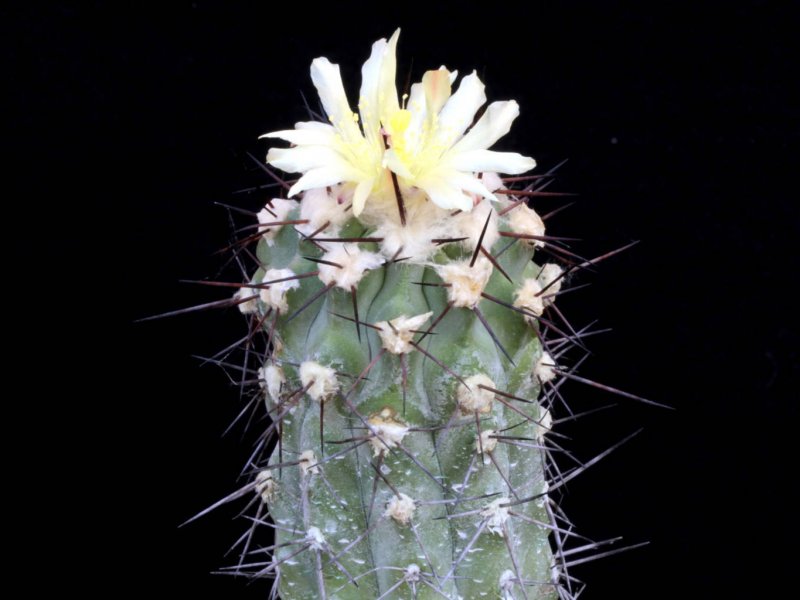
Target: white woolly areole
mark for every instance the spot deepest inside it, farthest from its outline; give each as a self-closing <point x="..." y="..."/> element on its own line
<point x="550" y="272"/>
<point x="526" y="221"/>
<point x="276" y="210"/>
<point x="496" y="515"/>
<point x="271" y="378"/>
<point x="319" y="207"/>
<point x="466" y="283"/>
<point x="545" y="368"/>
<point x="507" y="582"/>
<point x="544" y="425"/>
<point x="250" y="306"/>
<point x="471" y="398"/>
<point x="412" y="241"/>
<point x="388" y="431"/>
<point x="528" y="298"/>
<point x="315" y="539"/>
<point x="354" y="263"/>
<point x="265" y="485"/>
<point x="486" y="443"/>
<point x="308" y="463"/>
<point x="412" y="573"/>
<point x="321" y="381"/>
<point x="401" y="508"/>
<point x="396" y="334"/>
<point x="275" y="295"/>
<point x="424" y="222"/>
<point x="470" y="225"/>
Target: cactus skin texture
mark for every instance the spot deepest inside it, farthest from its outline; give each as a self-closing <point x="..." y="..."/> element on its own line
<point x="407" y="368"/>
<point x="351" y="492"/>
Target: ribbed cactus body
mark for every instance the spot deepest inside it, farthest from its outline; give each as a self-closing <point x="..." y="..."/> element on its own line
<point x="408" y="461"/>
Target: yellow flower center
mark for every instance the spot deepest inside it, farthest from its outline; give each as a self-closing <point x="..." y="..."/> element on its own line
<point x="398" y="123"/>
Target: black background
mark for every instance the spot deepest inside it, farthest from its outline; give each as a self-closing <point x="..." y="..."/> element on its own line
<point x="680" y="123"/>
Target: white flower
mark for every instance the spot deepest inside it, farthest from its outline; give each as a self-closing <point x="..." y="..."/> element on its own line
<point x="423" y="143"/>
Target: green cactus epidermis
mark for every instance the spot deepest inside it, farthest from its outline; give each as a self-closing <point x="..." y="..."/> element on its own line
<point x="433" y="462"/>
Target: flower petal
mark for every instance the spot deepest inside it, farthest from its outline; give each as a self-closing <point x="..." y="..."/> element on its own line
<point x="392" y="162"/>
<point x="324" y="176"/>
<point x="328" y="81"/>
<point x="360" y="195"/>
<point x="475" y="161"/>
<point x="460" y="109"/>
<point x="494" y="124"/>
<point x="312" y="125"/>
<point x="387" y="90"/>
<point x="302" y="158"/>
<point x="469" y="183"/>
<point x="378" y="97"/>
<point x="416" y="106"/>
<point x="368" y="96"/>
<point x="320" y="136"/>
<point x="443" y="194"/>
<point x="436" y="85"/>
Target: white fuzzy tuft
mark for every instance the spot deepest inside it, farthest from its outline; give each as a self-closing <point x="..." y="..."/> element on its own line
<point x="528" y="297"/>
<point x="275" y="295"/>
<point x="424" y="221"/>
<point x="486" y="443"/>
<point x="524" y="220"/>
<point x="319" y="207"/>
<point x="250" y="306"/>
<point x="315" y="539"/>
<point x="555" y="574"/>
<point x="401" y="508"/>
<point x="412" y="241"/>
<point x="412" y="573"/>
<point x="545" y="368"/>
<point x="466" y="283"/>
<point x="473" y="398"/>
<point x="396" y="333"/>
<point x="388" y="431"/>
<point x="265" y="485"/>
<point x="496" y="515"/>
<point x="507" y="582"/>
<point x="321" y="381"/>
<point x="271" y="378"/>
<point x="276" y="210"/>
<point x="550" y="272"/>
<point x="354" y="263"/>
<point x="308" y="463"/>
<point x="470" y="225"/>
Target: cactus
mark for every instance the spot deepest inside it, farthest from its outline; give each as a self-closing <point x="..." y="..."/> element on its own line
<point x="411" y="340"/>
